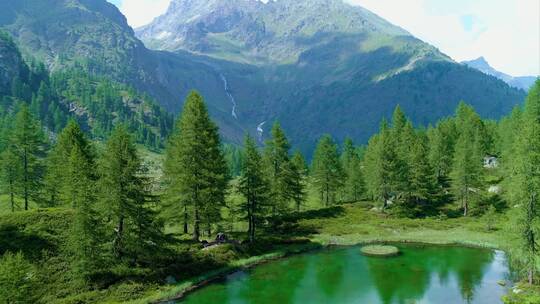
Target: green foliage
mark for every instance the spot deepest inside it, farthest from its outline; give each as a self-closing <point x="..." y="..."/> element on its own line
<point x="353" y="186"/>
<point x="326" y="170"/>
<point x="17" y="279"/>
<point x="195" y="169"/>
<point x="125" y="199"/>
<point x="254" y="187"/>
<point x="28" y="144"/>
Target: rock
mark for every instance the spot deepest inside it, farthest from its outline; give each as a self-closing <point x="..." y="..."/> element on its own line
<point x="170" y="280"/>
<point x="380" y="250"/>
<point x="501" y="282"/>
<point x="221" y="238"/>
<point x="494" y="189"/>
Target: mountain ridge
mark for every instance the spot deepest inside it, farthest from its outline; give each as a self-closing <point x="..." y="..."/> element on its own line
<point x="521" y="82"/>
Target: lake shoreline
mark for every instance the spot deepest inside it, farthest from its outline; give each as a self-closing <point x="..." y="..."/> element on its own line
<point x="211" y="277"/>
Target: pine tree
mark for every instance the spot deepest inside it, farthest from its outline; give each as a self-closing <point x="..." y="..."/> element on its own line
<point x="195" y="169"/>
<point x="354" y="181"/>
<point x="382" y="164"/>
<point x="253" y="186"/>
<point x="467" y="169"/>
<point x="422" y="177"/>
<point x="276" y="157"/>
<point x="298" y="184"/>
<point x="125" y="197"/>
<point x="526" y="181"/>
<point x="29" y="145"/>
<point x="441" y="150"/>
<point x="72" y="137"/>
<point x="10" y="169"/>
<point x="327" y="172"/>
<point x="80" y="192"/>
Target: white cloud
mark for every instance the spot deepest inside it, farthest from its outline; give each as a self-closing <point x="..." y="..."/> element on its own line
<point x="506" y="32"/>
<point x="141" y="12"/>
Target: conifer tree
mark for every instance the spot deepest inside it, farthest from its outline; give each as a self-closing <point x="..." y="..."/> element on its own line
<point x="441" y="150"/>
<point x="10" y="168"/>
<point x="422" y="177"/>
<point x="80" y="192"/>
<point x="467" y="169"/>
<point x="276" y="157"/>
<point x="354" y="182"/>
<point x="57" y="177"/>
<point x="326" y="172"/>
<point x="196" y="173"/>
<point x="382" y="164"/>
<point x="125" y="197"/>
<point x="28" y="144"/>
<point x="526" y="182"/>
<point x="298" y="185"/>
<point x="253" y="186"/>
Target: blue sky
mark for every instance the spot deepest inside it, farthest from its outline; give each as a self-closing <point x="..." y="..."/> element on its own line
<point x="505" y="32"/>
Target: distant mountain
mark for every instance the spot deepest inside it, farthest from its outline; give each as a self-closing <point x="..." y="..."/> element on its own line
<point x="317" y="66"/>
<point x="11" y="64"/>
<point x="481" y="64"/>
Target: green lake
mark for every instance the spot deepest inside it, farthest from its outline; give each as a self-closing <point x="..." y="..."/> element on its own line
<point x="421" y="274"/>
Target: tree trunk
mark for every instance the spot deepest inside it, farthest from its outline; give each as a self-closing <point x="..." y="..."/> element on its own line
<point x="530" y="276"/>
<point x="196" y="226"/>
<point x="118" y="239"/>
<point x="25" y="180"/>
<point x="11" y="196"/>
<point x="185" y="220"/>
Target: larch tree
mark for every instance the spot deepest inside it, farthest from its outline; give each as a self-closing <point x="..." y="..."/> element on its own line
<point x="80" y="193"/>
<point x="124" y="194"/>
<point x="298" y="185"/>
<point x="526" y="182"/>
<point x="253" y="186"/>
<point x="28" y="144"/>
<point x="276" y="157"/>
<point x="57" y="177"/>
<point x="10" y="168"/>
<point x="353" y="186"/>
<point x="195" y="170"/>
<point x="326" y="170"/>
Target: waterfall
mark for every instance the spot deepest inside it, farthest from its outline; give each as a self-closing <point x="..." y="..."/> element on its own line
<point x="260" y="131"/>
<point x="231" y="97"/>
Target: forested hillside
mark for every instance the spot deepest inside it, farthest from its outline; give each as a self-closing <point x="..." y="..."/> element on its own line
<point x="97" y="103"/>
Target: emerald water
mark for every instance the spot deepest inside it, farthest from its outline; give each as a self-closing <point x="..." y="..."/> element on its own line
<point x="421" y="274"/>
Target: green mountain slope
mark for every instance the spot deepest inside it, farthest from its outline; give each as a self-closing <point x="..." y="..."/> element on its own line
<point x="317" y="66"/>
<point x="97" y="103"/>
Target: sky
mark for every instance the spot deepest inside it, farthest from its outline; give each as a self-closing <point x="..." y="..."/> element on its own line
<point x="505" y="32"/>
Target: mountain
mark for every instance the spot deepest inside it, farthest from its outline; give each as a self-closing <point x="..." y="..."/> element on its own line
<point x="322" y="65"/>
<point x="317" y="66"/>
<point x="481" y="64"/>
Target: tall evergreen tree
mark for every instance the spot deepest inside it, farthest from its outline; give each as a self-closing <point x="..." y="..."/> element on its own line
<point x="196" y="173"/>
<point x="80" y="192"/>
<point x="276" y="157"/>
<point x="441" y="150"/>
<point x="125" y="197"/>
<point x="10" y="168"/>
<point x="354" y="182"/>
<point x="326" y="172"/>
<point x="298" y="182"/>
<point x="253" y="186"/>
<point x="57" y="177"/>
<point x="422" y="177"/>
<point x="29" y="145"/>
<point x="526" y="182"/>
